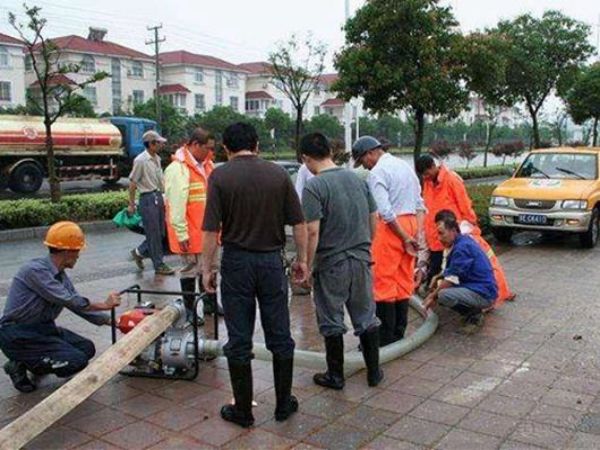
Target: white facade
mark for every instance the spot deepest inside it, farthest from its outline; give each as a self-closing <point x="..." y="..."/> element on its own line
<point x="205" y="87"/>
<point x="12" y="74"/>
<point x="476" y="110"/>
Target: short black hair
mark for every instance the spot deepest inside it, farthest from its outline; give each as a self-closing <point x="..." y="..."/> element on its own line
<point x="201" y="136"/>
<point x="448" y="218"/>
<point x="423" y="163"/>
<point x="315" y="145"/>
<point x="55" y="251"/>
<point x="146" y="144"/>
<point x="240" y="136"/>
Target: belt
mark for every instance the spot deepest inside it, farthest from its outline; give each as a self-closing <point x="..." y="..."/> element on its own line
<point x="150" y="192"/>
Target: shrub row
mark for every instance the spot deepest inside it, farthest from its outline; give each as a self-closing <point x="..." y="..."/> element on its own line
<point x="484" y="172"/>
<point x="103" y="206"/>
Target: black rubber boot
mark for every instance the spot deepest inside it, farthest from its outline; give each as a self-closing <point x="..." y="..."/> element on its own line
<point x="386" y="313"/>
<point x="401" y="308"/>
<point x="283" y="371"/>
<point x="18" y="375"/>
<point x="334" y="354"/>
<point x="369" y="342"/>
<point x="189" y="285"/>
<point x="241" y="382"/>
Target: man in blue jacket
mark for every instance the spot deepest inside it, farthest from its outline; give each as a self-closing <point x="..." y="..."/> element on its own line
<point x="467" y="284"/>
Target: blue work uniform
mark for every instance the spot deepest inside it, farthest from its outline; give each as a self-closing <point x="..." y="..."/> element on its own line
<point x="28" y="332"/>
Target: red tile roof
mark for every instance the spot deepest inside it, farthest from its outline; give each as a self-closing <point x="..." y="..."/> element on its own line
<point x="256" y="68"/>
<point x="172" y="88"/>
<point x="58" y="78"/>
<point x="332" y="102"/>
<point x="82" y="45"/>
<point x="194" y="59"/>
<point x="328" y="78"/>
<point x="6" y="39"/>
<point x="258" y="95"/>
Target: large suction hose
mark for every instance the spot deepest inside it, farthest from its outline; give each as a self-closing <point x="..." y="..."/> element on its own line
<point x="353" y="361"/>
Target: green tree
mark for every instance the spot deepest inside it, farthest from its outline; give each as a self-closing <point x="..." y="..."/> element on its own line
<point x="282" y="126"/>
<point x="57" y="93"/>
<point x="173" y="124"/>
<point x="296" y="67"/>
<point x="326" y="124"/>
<point x="402" y="55"/>
<point x="542" y="56"/>
<point x="583" y="100"/>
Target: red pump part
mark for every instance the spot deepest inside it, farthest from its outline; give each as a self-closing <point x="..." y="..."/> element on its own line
<point x="129" y="319"/>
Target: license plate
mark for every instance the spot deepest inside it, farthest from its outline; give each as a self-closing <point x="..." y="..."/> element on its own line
<point x="533" y="219"/>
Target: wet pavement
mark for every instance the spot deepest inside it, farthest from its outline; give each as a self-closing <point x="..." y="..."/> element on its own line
<point x="530" y="379"/>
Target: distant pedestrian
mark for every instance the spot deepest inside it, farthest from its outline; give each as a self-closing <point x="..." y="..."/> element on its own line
<point x="146" y="177"/>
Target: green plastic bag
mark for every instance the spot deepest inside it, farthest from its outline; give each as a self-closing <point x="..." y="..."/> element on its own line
<point x="123" y="219"/>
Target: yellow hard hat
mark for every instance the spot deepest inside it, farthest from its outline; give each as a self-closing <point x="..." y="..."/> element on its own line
<point x="65" y="236"/>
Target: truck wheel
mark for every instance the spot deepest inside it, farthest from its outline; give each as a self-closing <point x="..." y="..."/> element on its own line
<point x="3" y="181"/>
<point x="502" y="234"/>
<point x="26" y="178"/>
<point x="589" y="238"/>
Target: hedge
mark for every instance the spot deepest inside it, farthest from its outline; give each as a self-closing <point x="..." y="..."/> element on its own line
<point x="484" y="172"/>
<point x="103" y="206"/>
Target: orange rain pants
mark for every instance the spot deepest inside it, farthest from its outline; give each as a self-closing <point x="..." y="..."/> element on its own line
<point x="393" y="270"/>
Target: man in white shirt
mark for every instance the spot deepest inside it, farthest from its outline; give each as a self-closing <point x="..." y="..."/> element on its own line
<point x="397" y="192"/>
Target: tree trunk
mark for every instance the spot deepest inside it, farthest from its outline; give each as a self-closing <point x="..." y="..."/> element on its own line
<point x="536" y="130"/>
<point x="52" y="177"/>
<point x="595" y="139"/>
<point x="297" y="133"/>
<point x="488" y="143"/>
<point x="503" y="159"/>
<point x="419" y="132"/>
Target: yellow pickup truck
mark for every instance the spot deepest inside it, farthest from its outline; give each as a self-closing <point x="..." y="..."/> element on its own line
<point x="552" y="190"/>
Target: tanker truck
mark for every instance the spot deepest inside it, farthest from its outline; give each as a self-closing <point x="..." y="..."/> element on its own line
<point x="84" y="149"/>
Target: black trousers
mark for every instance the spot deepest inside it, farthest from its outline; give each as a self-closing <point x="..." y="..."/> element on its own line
<point x="435" y="265"/>
<point x="46" y="348"/>
<point x="248" y="278"/>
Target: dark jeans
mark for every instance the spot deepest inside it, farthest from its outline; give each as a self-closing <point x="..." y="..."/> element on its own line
<point x="435" y="265"/>
<point x="152" y="210"/>
<point x="46" y="348"/>
<point x="248" y="277"/>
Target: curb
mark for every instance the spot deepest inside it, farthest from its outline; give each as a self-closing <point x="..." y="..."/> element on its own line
<point x="39" y="232"/>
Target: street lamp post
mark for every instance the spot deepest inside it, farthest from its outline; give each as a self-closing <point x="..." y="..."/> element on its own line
<point x="347" y="106"/>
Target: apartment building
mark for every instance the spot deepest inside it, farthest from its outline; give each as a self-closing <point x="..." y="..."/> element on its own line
<point x="12" y="72"/>
<point x="196" y="83"/>
<point x="131" y="72"/>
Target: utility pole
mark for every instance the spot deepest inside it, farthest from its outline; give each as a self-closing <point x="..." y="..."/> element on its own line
<point x="598" y="39"/>
<point x="156" y="41"/>
<point x="347" y="106"/>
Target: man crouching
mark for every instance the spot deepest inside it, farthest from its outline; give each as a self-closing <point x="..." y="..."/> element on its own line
<point x="29" y="336"/>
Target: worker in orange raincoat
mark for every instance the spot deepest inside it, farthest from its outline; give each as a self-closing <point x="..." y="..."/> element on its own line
<point x="397" y="193"/>
<point x="444" y="189"/>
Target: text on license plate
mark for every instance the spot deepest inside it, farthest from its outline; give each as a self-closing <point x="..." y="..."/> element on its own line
<point x="533" y="219"/>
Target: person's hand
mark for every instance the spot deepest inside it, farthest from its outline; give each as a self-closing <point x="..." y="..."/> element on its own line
<point x="308" y="284"/>
<point x="433" y="283"/>
<point x="429" y="302"/>
<point x="411" y="246"/>
<point x="209" y="281"/>
<point x="113" y="300"/>
<point x="419" y="276"/>
<point x="299" y="272"/>
<point x="184" y="246"/>
<point x="131" y="209"/>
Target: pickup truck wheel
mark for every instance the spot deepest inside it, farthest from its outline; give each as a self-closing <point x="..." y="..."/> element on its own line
<point x="26" y="178"/>
<point x="3" y="181"/>
<point x="502" y="234"/>
<point x="589" y="238"/>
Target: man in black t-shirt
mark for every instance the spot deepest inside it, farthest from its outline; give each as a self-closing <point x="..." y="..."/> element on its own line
<point x="341" y="216"/>
<point x="249" y="202"/>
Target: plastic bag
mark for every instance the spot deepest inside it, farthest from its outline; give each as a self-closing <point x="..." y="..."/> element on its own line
<point x="123" y="219"/>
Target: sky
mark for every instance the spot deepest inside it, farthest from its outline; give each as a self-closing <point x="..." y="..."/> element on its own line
<point x="247" y="30"/>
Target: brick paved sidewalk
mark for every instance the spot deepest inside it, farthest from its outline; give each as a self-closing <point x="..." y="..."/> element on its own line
<point x="526" y="381"/>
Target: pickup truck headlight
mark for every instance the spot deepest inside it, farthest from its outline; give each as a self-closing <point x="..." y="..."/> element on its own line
<point x="574" y="204"/>
<point x="499" y="201"/>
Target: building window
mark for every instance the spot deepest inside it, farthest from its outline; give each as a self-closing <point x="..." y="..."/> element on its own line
<point x="138" y="97"/>
<point x="252" y="105"/>
<point x="88" y="65"/>
<point x="317" y="110"/>
<point x="178" y="101"/>
<point x="89" y="92"/>
<point x="199" y="76"/>
<point x="4" y="57"/>
<point x="234" y="103"/>
<point x="137" y="69"/>
<point x="233" y="81"/>
<point x="199" y="104"/>
<point x="28" y="63"/>
<point x="5" y="91"/>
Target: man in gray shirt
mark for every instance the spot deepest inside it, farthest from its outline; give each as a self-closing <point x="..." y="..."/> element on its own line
<point x="146" y="177"/>
<point x="341" y="214"/>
